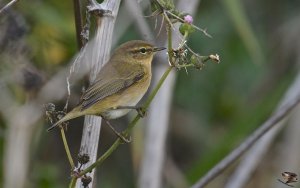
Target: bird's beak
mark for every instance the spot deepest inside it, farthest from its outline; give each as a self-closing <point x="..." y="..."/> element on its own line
<point x="156" y="49"/>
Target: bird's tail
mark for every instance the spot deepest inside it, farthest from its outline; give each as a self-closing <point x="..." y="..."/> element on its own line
<point x="71" y="115"/>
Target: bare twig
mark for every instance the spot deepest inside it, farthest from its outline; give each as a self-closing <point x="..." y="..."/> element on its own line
<point x="254" y="156"/>
<point x="280" y="114"/>
<point x="249" y="164"/>
<point x="8" y="5"/>
<point x="78" y="22"/>
<point x="97" y="54"/>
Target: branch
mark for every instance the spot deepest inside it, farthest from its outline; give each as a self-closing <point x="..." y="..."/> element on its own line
<point x="261" y="147"/>
<point x="97" y="54"/>
<point x="8" y="5"/>
<point x="67" y="149"/>
<point x="279" y="114"/>
<point x="78" y="22"/>
<point x="253" y="158"/>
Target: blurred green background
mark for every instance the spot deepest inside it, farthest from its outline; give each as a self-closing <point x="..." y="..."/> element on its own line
<point x="213" y="110"/>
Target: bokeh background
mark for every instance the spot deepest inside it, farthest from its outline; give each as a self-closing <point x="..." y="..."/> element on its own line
<point x="212" y="110"/>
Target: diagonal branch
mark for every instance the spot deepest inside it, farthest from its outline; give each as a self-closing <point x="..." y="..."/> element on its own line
<point x="283" y="110"/>
<point x="8" y="5"/>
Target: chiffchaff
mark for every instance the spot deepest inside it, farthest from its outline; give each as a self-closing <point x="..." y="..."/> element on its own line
<point x="119" y="85"/>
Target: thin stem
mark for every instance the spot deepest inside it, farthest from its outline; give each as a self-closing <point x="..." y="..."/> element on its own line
<point x="170" y="48"/>
<point x="103" y="157"/>
<point x="63" y="136"/>
<point x="8" y="5"/>
<point x="78" y="25"/>
<point x="156" y="89"/>
<point x="184" y="66"/>
<point x="73" y="182"/>
<point x="78" y="22"/>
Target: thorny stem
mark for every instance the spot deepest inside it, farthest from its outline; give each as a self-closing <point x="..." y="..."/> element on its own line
<point x="63" y="136"/>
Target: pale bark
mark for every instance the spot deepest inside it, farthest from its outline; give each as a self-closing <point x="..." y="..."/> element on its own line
<point x="97" y="55"/>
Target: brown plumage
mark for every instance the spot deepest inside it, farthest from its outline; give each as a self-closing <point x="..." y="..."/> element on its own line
<point x="122" y="81"/>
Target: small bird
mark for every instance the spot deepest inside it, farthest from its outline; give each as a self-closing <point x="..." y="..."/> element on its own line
<point x="119" y="85"/>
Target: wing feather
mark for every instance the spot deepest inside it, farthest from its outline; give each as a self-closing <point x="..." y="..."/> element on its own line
<point x="103" y="88"/>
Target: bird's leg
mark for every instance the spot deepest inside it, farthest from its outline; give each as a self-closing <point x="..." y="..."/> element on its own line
<point x="117" y="133"/>
<point x="140" y="110"/>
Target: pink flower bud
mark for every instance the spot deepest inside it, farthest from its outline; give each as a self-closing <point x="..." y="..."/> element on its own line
<point x="188" y="19"/>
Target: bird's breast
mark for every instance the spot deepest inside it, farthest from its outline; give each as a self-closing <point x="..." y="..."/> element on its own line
<point x="128" y="97"/>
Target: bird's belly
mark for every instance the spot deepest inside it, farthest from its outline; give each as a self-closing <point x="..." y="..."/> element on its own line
<point x="127" y="100"/>
<point x="128" y="97"/>
<point x="114" y="114"/>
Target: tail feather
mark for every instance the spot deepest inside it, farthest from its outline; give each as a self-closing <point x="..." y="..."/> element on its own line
<point x="54" y="125"/>
<point x="71" y="115"/>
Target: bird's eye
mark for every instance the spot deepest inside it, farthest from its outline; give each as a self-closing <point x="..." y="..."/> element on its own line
<point x="143" y="50"/>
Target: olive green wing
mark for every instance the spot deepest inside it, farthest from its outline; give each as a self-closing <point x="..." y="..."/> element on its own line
<point x="105" y="87"/>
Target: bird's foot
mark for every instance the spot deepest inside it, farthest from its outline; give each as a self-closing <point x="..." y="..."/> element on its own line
<point x="123" y="137"/>
<point x="141" y="111"/>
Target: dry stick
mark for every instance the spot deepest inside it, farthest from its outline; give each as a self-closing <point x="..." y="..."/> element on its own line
<point x="271" y="122"/>
<point x="78" y="22"/>
<point x="8" y="5"/>
<point x="250" y="162"/>
<point x="28" y="114"/>
<point x="98" y="55"/>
